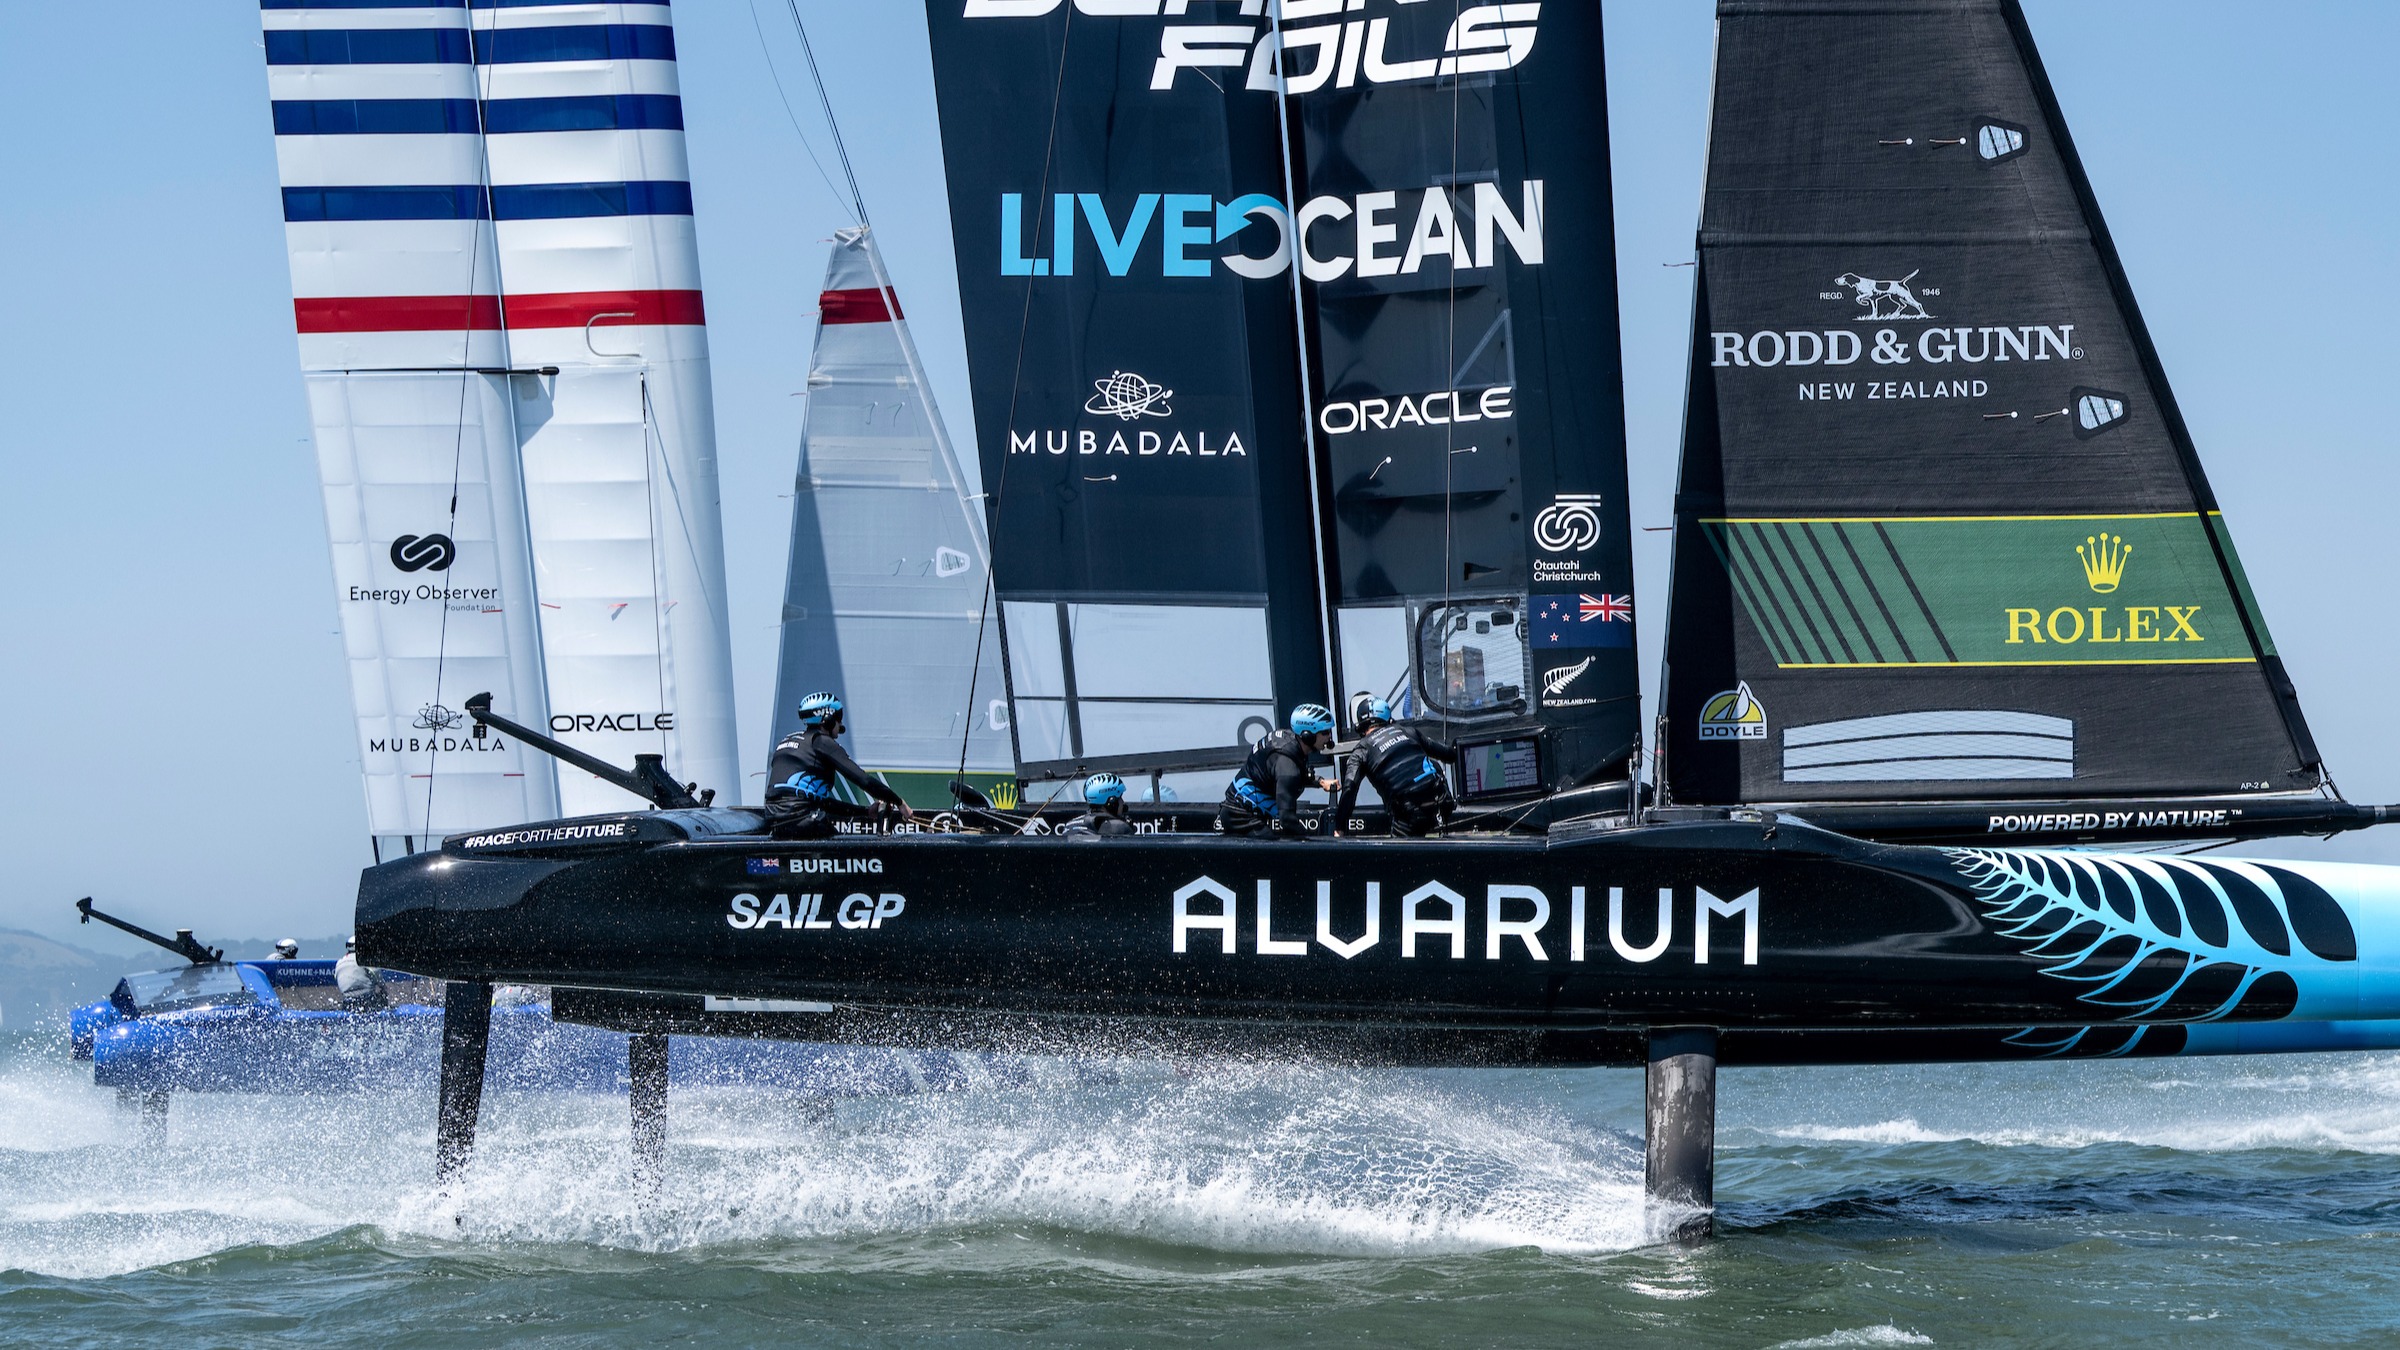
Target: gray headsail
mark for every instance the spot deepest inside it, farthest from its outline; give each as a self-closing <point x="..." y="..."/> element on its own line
<point x="1459" y="270"/>
<point x="1942" y="535"/>
<point x="886" y="598"/>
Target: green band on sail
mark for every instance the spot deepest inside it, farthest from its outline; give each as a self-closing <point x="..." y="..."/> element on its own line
<point x="1986" y="591"/>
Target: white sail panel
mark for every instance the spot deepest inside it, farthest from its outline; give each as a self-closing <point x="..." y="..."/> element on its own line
<point x="426" y="519"/>
<point x="499" y="196"/>
<point x="887" y="589"/>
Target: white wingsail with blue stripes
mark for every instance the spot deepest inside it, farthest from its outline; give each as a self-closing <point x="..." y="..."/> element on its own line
<point x="496" y="286"/>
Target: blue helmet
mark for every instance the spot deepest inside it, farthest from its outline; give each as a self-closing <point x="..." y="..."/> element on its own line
<point x="1310" y="718"/>
<point x="1374" y="710"/>
<point x="817" y="709"/>
<point x="1102" y="788"/>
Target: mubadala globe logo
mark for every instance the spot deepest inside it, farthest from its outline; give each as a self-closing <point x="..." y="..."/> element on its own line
<point x="1128" y="397"/>
<point x="1125" y="397"/>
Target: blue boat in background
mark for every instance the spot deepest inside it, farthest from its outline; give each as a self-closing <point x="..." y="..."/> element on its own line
<point x="277" y="1027"/>
<point x="280" y="1026"/>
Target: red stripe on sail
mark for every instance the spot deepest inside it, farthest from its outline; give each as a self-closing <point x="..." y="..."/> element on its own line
<point x="860" y="306"/>
<point x="397" y="313"/>
<point x="435" y="313"/>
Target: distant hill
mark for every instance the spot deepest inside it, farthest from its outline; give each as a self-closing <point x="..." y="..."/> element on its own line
<point x="40" y="979"/>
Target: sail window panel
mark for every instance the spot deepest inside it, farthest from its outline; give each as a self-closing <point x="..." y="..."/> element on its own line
<point x="1036" y="665"/>
<point x="1041" y="725"/>
<point x="1113" y="729"/>
<point x="1170" y="651"/>
<point x="1375" y="654"/>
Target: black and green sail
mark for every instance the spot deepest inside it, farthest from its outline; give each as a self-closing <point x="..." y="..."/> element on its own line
<point x="1942" y="534"/>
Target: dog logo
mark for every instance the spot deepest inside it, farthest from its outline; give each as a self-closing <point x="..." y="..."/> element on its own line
<point x="1883" y="301"/>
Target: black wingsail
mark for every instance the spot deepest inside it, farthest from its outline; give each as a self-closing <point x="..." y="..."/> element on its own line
<point x="1942" y="535"/>
<point x="1117" y="195"/>
<point x="1459" y="282"/>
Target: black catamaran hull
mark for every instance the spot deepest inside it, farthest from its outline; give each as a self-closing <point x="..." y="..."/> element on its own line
<point x="1741" y="926"/>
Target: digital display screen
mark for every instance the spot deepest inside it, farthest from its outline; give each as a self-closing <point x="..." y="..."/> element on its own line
<point x="1499" y="766"/>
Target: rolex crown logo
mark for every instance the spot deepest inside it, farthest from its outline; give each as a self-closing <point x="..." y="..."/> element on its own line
<point x="2104" y="561"/>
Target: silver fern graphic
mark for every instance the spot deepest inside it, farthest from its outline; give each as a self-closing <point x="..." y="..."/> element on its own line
<point x="2163" y="939"/>
<point x="1556" y="682"/>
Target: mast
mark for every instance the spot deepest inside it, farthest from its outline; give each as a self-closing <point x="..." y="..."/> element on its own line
<point x="1947" y="565"/>
<point x="498" y="301"/>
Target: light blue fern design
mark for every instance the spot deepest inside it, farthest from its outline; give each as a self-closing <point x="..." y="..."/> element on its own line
<point x="2069" y="910"/>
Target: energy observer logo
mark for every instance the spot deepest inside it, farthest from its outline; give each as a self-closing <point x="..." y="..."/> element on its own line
<point x="423" y="553"/>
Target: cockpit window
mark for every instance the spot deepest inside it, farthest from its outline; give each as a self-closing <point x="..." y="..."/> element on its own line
<point x="159" y="991"/>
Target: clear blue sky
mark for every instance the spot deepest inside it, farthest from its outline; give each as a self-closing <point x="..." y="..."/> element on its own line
<point x="178" y="729"/>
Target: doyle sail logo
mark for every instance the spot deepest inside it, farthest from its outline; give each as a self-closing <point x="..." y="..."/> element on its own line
<point x="1128" y="397"/>
<point x="1735" y="715"/>
<point x="1883" y="300"/>
<point x="1321" y="43"/>
<point x="2104" y="557"/>
<point x="423" y="552"/>
<point x="1569" y="524"/>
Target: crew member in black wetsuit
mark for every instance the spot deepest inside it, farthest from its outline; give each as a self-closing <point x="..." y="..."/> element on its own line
<point x="1263" y="801"/>
<point x="804" y="778"/>
<point x="1401" y="763"/>
<point x="1105" y="794"/>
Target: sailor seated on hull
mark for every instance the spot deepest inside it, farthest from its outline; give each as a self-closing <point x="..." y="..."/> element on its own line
<point x="1402" y="764"/>
<point x="1104" y="793"/>
<point x="1263" y="801"/>
<point x="805" y="776"/>
<point x="356" y="985"/>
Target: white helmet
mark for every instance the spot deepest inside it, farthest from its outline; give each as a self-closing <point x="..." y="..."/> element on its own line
<point x="287" y="949"/>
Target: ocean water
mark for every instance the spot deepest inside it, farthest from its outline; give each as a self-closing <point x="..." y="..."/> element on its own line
<point x="2228" y="1202"/>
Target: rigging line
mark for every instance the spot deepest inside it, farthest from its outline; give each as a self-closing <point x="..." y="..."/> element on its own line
<point x="1458" y="93"/>
<point x="997" y="491"/>
<point x="768" y="56"/>
<point x="825" y="101"/>
<point x="458" y="439"/>
<point x="658" y="607"/>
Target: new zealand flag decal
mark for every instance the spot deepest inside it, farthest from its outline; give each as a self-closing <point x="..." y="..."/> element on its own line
<point x="763" y="867"/>
<point x="1563" y="621"/>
